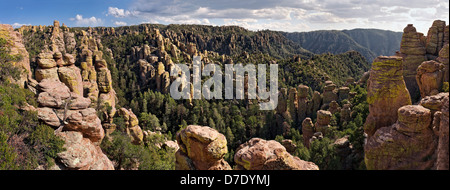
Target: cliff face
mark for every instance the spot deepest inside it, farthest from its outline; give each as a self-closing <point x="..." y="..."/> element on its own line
<point x="14" y="42"/>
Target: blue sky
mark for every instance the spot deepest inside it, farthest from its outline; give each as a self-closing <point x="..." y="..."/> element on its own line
<point x="281" y="15"/>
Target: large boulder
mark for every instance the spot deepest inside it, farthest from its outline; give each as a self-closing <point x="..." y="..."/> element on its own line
<point x="259" y="154"/>
<point x="430" y="75"/>
<point x="71" y="76"/>
<point x="201" y="148"/>
<point x="80" y="153"/>
<point x="386" y="93"/>
<point x="87" y="122"/>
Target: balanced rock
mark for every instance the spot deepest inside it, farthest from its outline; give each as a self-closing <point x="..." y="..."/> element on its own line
<point x="259" y="154"/>
<point x="407" y="144"/>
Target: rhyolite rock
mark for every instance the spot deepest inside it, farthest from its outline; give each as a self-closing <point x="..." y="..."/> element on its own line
<point x="430" y="75"/>
<point x="17" y="47"/>
<point x="201" y="148"/>
<point x="413" y="51"/>
<point x="386" y="93"/>
<point x="259" y="154"/>
<point x="71" y="76"/>
<point x="81" y="154"/>
<point x="409" y="143"/>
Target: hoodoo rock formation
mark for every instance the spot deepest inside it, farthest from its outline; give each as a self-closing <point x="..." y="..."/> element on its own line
<point x="386" y="92"/>
<point x="404" y="136"/>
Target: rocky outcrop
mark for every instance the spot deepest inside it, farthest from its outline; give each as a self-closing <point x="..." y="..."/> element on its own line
<point x="430" y="75"/>
<point x="417" y="48"/>
<point x="435" y="37"/>
<point x="417" y="140"/>
<point x="407" y="144"/>
<point x="323" y="121"/>
<point x="413" y="51"/>
<point x="201" y="148"/>
<point x="386" y="93"/>
<point x="443" y="58"/>
<point x="132" y="125"/>
<point x="16" y="47"/>
<point x="308" y="131"/>
<point x="259" y="154"/>
<point x="78" y="125"/>
<point x="81" y="154"/>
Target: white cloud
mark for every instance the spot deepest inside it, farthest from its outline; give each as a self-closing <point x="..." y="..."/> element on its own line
<point x="120" y="13"/>
<point x="120" y="23"/>
<point x="288" y="14"/>
<point x="18" y="25"/>
<point x="80" y="21"/>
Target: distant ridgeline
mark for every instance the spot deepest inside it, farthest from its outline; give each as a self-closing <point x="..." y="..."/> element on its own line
<point x="369" y="42"/>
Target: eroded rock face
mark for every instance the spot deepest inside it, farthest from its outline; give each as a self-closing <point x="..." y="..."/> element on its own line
<point x="386" y="93"/>
<point x="201" y="148"/>
<point x="430" y="75"/>
<point x="418" y="139"/>
<point x="407" y="144"/>
<point x="17" y="47"/>
<point x="323" y="121"/>
<point x="413" y="52"/>
<point x="132" y="122"/>
<point x="444" y="59"/>
<point x="81" y="154"/>
<point x="259" y="154"/>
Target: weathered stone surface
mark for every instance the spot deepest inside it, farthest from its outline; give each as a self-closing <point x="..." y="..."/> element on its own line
<point x="444" y="59"/>
<point x="386" y="92"/>
<point x="17" y="47"/>
<point x="71" y="76"/>
<point x="259" y="154"/>
<point x="407" y="144"/>
<point x="81" y="154"/>
<point x="52" y="94"/>
<point x="442" y="162"/>
<point x="435" y="37"/>
<point x="104" y="80"/>
<point x="87" y="122"/>
<point x="132" y="122"/>
<point x="308" y="131"/>
<point x="413" y="52"/>
<point x="323" y="121"/>
<point x="430" y="75"/>
<point x="42" y="74"/>
<point x="49" y="117"/>
<point x="202" y="148"/>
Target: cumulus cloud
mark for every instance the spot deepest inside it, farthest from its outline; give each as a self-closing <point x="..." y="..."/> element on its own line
<point x="120" y="13"/>
<point x="80" y="21"/>
<point x="120" y="23"/>
<point x="267" y="13"/>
